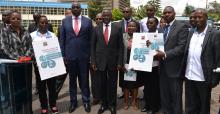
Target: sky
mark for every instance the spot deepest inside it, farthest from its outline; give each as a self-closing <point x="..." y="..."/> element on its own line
<point x="178" y="5"/>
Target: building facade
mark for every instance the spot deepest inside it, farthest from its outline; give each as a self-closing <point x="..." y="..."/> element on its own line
<point x="53" y="10"/>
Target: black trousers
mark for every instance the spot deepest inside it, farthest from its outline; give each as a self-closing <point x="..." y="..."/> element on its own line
<point x="42" y="90"/>
<point x="171" y="94"/>
<point x="198" y="96"/>
<point x="95" y="85"/>
<point x="108" y="87"/>
<point x="152" y="89"/>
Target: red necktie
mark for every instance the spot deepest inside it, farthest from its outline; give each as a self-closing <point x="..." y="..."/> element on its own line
<point x="76" y="26"/>
<point x="106" y="34"/>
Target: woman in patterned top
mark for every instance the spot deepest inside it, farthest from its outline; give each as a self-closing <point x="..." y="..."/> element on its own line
<point x="15" y="41"/>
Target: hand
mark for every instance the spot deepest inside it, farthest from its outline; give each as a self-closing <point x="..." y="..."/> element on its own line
<point x="148" y="43"/>
<point x="124" y="69"/>
<point x="94" y="68"/>
<point x="160" y="55"/>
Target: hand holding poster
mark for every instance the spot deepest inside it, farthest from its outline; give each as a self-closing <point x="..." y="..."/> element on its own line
<point x="49" y="58"/>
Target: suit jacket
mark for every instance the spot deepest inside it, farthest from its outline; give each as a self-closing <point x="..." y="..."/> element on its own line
<point x="110" y="55"/>
<point x="174" y="48"/>
<point x="75" y="47"/>
<point x="122" y="26"/>
<point x="210" y="55"/>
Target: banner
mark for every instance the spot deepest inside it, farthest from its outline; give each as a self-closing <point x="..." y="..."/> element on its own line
<point x="49" y="58"/>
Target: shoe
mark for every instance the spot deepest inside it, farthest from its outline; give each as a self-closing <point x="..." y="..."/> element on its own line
<point x="72" y="108"/>
<point x="112" y="110"/>
<point x="151" y="112"/>
<point x="95" y="101"/>
<point x="54" y="110"/>
<point x="121" y="96"/>
<point x="87" y="107"/>
<point x="44" y="111"/>
<point x="145" y="109"/>
<point x="102" y="109"/>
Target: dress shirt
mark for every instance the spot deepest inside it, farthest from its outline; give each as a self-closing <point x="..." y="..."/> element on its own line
<point x="37" y="36"/>
<point x="171" y="23"/>
<point x="194" y="68"/>
<point x="79" y="21"/>
<point x="109" y="29"/>
<point x="125" y="23"/>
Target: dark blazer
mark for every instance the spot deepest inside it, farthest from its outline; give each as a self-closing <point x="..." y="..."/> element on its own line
<point x="174" y="48"/>
<point x="210" y="55"/>
<point x="110" y="55"/>
<point x="75" y="47"/>
<point x="122" y="27"/>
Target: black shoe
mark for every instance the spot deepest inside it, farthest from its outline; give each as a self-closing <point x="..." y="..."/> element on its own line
<point x="95" y="101"/>
<point x="121" y="96"/>
<point x="87" y="107"/>
<point x="151" y="112"/>
<point x="145" y="109"/>
<point x="72" y="108"/>
<point x="102" y="109"/>
<point x="112" y="110"/>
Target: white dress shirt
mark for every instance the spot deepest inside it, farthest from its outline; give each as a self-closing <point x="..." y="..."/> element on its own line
<point x="194" y="68"/>
<point x="79" y="21"/>
<point x="109" y="29"/>
<point x="37" y="36"/>
<point x="125" y="23"/>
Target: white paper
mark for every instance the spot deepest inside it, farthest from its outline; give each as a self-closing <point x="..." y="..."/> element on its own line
<point x="130" y="75"/>
<point x="141" y="57"/>
<point x="157" y="41"/>
<point x="217" y="70"/>
<point x="8" y="61"/>
<point x="49" y="58"/>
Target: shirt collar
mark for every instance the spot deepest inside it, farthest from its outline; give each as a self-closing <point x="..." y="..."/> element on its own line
<point x="109" y="24"/>
<point x="171" y="23"/>
<point x="203" y="32"/>
<point x="125" y="21"/>
<point x="47" y="34"/>
<point x="79" y="17"/>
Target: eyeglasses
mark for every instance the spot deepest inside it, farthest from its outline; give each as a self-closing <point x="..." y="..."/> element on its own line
<point x="98" y="19"/>
<point x="125" y="11"/>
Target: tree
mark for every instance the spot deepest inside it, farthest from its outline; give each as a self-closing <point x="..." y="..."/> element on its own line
<point x="116" y="14"/>
<point x="94" y="7"/>
<point x="213" y="10"/>
<point x="188" y="10"/>
<point x="141" y="12"/>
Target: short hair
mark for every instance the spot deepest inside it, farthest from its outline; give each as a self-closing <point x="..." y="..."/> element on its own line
<point x="203" y="11"/>
<point x="156" y="20"/>
<point x="6" y="12"/>
<point x="41" y="16"/>
<point x="15" y="11"/>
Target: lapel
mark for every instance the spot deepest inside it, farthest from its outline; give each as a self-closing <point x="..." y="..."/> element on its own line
<point x="172" y="28"/>
<point x="188" y="41"/>
<point x="100" y="28"/>
<point x="206" y="38"/>
<point x="82" y="25"/>
<point x="71" y="24"/>
<point x="123" y="26"/>
<point x="110" y="37"/>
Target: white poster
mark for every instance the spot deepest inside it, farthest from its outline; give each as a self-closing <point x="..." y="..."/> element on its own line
<point x="130" y="75"/>
<point x="49" y="58"/>
<point x="141" y="57"/>
<point x="157" y="42"/>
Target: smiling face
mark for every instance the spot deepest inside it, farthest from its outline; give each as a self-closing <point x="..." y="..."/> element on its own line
<point x="132" y="27"/>
<point x="15" y="19"/>
<point x="152" y="24"/>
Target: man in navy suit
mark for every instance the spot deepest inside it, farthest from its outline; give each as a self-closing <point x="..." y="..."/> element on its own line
<point x="75" y="45"/>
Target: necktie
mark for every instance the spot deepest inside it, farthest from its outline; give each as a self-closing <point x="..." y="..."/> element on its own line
<point x="126" y="29"/>
<point x="165" y="32"/>
<point x="76" y="26"/>
<point x="106" y="34"/>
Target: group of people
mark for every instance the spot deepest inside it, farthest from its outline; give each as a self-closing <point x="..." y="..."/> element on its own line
<point x="191" y="53"/>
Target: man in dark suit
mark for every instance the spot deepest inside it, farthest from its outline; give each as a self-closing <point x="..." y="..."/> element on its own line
<point x="106" y="59"/>
<point x="76" y="31"/>
<point x="175" y="35"/>
<point x="202" y="56"/>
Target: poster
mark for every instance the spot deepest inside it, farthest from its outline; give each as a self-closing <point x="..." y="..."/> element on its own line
<point x="49" y="58"/>
<point x="130" y="75"/>
<point x="141" y="57"/>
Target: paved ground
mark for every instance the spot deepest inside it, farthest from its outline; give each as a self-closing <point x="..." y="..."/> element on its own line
<point x="63" y="103"/>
